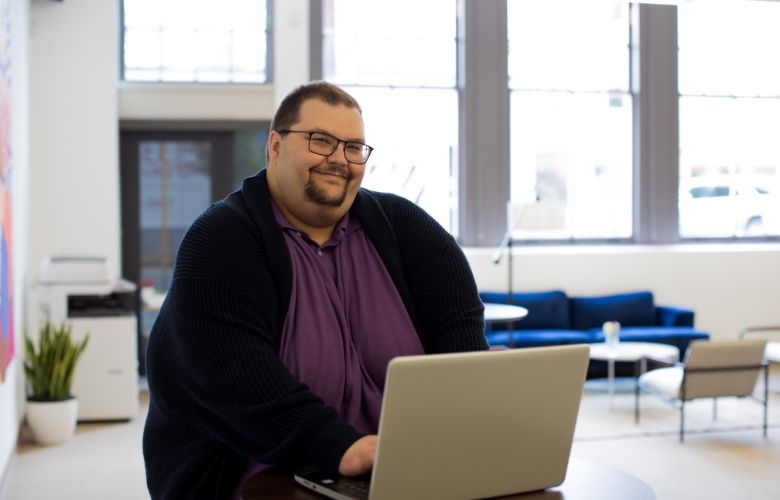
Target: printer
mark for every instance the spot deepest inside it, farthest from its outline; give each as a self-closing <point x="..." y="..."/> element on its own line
<point x="82" y="292"/>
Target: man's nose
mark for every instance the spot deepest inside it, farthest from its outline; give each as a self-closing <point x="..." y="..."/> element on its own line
<point x="339" y="154"/>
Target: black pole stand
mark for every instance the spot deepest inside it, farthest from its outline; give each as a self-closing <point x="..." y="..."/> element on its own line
<point x="507" y="243"/>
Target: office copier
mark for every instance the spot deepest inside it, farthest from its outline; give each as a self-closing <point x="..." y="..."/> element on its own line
<point x="82" y="292"/>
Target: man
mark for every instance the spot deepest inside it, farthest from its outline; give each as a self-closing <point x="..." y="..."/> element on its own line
<point x="288" y="299"/>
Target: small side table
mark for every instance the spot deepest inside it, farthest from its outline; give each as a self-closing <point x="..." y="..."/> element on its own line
<point x="504" y="313"/>
<point x="635" y="352"/>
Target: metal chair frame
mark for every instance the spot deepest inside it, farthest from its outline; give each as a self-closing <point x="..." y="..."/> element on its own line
<point x="680" y="402"/>
<point x="765" y="329"/>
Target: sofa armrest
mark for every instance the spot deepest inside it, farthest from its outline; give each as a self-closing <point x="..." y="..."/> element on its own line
<point x="674" y="316"/>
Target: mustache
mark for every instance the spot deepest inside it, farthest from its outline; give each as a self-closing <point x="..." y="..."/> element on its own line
<point x="333" y="170"/>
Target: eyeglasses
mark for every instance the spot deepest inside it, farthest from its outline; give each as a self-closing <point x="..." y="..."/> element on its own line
<point x="325" y="144"/>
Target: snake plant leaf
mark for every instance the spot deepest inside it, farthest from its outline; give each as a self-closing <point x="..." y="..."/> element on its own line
<point x="50" y="366"/>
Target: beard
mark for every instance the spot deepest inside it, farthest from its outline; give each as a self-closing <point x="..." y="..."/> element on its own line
<point x="317" y="194"/>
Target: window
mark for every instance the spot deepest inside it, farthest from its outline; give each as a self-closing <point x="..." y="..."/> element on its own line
<point x="570" y="121"/>
<point x="729" y="82"/>
<point x="401" y="67"/>
<point x="195" y="41"/>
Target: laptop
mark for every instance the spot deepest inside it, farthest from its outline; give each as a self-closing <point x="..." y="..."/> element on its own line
<point x="471" y="425"/>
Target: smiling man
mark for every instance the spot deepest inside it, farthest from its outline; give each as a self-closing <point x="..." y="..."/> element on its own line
<point x="288" y="300"/>
<point x="315" y="169"/>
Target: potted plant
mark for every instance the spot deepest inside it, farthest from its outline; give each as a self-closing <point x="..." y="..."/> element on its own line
<point x="51" y="408"/>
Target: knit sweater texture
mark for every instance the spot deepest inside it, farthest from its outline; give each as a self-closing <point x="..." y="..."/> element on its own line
<point x="220" y="395"/>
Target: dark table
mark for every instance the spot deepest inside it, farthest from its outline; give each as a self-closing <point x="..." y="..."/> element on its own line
<point x="585" y="480"/>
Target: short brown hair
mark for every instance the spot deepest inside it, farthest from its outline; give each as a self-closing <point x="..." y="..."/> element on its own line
<point x="289" y="110"/>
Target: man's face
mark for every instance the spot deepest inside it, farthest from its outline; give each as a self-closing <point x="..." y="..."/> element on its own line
<point x="314" y="189"/>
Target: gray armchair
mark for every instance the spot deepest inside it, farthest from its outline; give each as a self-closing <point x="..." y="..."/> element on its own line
<point x="772" y="353"/>
<point x="710" y="370"/>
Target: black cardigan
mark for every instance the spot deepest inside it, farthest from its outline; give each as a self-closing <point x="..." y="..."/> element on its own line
<point x="219" y="394"/>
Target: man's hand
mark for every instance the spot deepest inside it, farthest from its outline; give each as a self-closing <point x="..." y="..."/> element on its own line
<point x="359" y="458"/>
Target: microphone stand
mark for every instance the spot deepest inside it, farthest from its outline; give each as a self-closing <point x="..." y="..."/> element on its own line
<point x="507" y="243"/>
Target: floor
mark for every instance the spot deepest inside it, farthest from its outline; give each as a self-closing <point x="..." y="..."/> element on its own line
<point x="728" y="460"/>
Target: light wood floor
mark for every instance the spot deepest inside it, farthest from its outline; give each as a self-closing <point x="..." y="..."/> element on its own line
<point x="104" y="460"/>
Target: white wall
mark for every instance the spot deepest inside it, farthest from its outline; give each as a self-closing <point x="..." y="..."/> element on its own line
<point x="12" y="389"/>
<point x="728" y="286"/>
<point x="74" y="165"/>
<point x="170" y="101"/>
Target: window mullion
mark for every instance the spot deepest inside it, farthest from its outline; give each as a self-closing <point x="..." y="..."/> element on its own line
<point x="484" y="122"/>
<point x="656" y="131"/>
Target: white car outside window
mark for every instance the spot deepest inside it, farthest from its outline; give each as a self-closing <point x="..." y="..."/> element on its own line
<point x="726" y="206"/>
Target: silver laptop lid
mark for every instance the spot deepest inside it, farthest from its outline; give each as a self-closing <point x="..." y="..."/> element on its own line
<point x="475" y="425"/>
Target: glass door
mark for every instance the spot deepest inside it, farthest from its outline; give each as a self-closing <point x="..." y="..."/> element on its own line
<point x="168" y="179"/>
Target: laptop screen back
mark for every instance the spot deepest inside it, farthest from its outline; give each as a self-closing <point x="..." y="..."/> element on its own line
<point x="475" y="425"/>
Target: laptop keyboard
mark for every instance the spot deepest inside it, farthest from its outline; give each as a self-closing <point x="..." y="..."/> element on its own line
<point x="354" y="488"/>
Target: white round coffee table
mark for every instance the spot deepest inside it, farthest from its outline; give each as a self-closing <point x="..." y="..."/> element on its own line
<point x="495" y="313"/>
<point x="504" y="313"/>
<point x="634" y="352"/>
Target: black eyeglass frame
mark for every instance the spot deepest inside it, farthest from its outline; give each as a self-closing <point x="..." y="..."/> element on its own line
<point x="366" y="147"/>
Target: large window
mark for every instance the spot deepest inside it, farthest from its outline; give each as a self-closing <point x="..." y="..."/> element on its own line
<point x="195" y="41"/>
<point x="612" y="134"/>
<point x="729" y="82"/>
<point x="571" y="120"/>
<point x="399" y="60"/>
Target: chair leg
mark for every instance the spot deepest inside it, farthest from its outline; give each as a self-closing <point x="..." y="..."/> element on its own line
<point x="714" y="409"/>
<point x="636" y="402"/>
<point x="682" y="420"/>
<point x="766" y="396"/>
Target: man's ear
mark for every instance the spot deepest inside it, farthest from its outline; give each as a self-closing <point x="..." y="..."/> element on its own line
<point x="274" y="143"/>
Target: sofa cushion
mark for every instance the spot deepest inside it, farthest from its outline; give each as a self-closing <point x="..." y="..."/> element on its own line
<point x="629" y="309"/>
<point x="536" y="338"/>
<point x="548" y="309"/>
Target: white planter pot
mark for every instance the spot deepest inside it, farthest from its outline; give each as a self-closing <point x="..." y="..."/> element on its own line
<point x="52" y="422"/>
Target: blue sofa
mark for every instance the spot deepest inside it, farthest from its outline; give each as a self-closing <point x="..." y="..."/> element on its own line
<point x="555" y="318"/>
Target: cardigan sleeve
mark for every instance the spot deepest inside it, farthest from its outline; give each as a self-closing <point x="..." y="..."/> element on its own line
<point x="443" y="291"/>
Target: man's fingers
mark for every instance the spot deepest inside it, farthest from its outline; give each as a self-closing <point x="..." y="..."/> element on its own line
<point x="359" y="458"/>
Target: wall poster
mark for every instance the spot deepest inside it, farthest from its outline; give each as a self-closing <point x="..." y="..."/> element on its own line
<point x="6" y="246"/>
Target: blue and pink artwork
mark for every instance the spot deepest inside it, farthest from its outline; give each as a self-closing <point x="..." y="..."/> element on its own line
<point x="6" y="243"/>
